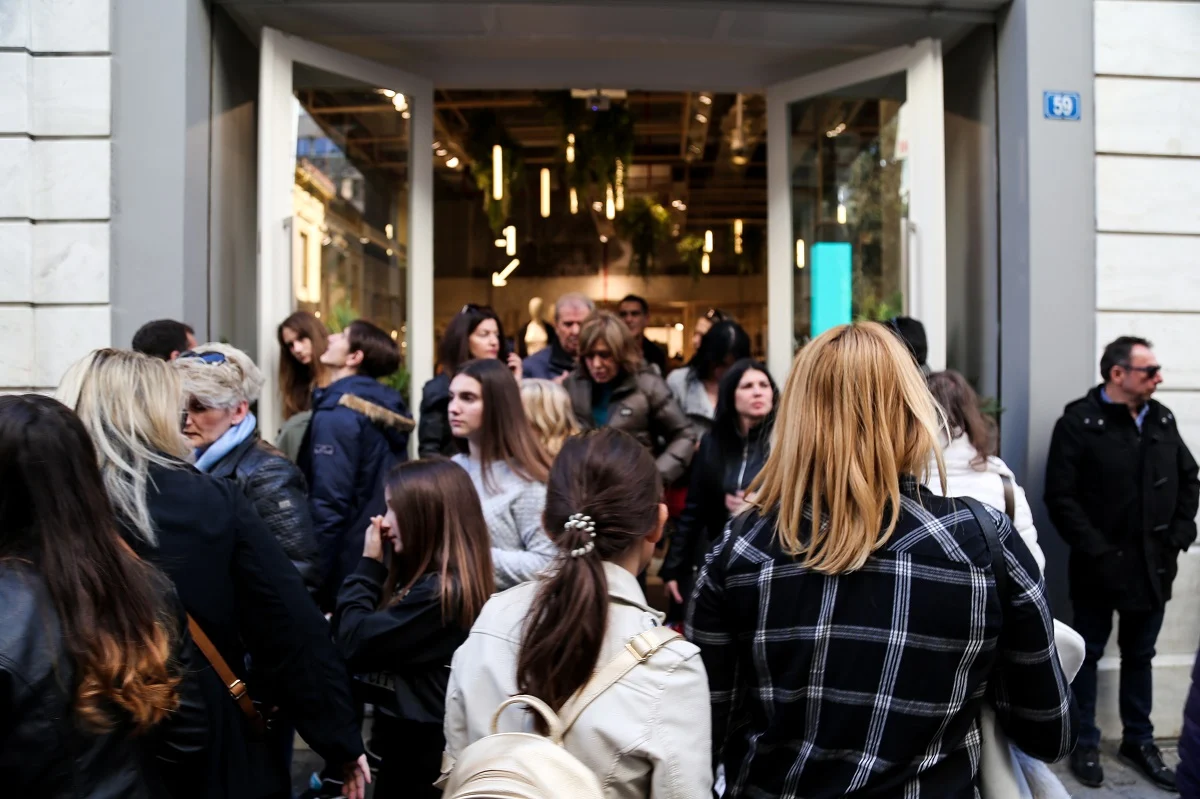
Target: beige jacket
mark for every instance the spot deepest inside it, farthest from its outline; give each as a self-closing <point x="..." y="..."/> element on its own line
<point x="649" y="736"/>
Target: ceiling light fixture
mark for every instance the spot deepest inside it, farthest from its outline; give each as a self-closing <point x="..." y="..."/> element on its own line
<point x="604" y="239"/>
<point x="737" y="236"/>
<point x="705" y="263"/>
<point x="574" y="201"/>
<point x="452" y="162"/>
<point x="545" y="193"/>
<point x="497" y="172"/>
<point x="841" y="214"/>
<point x="386" y="93"/>
<point x="800" y="253"/>
<point x="679" y="325"/>
<point x="405" y="114"/>
<point x="400" y="102"/>
<point x="708" y="241"/>
<point x="705" y="99"/>
<point x="620" y="185"/>
<point x="570" y="148"/>
<point x="388" y="230"/>
<point x="836" y="130"/>
<point x="610" y="203"/>
<point x="597" y="206"/>
<point x="701" y="118"/>
<point x="510" y="240"/>
<point x="440" y="152"/>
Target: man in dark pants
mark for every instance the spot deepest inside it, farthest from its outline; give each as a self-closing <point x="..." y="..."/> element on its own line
<point x="1122" y="489"/>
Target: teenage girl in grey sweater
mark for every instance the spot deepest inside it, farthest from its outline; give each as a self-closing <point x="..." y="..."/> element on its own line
<point x="507" y="465"/>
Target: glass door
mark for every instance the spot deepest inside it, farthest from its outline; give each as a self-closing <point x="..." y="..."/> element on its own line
<point x="857" y="199"/>
<point x="345" y="214"/>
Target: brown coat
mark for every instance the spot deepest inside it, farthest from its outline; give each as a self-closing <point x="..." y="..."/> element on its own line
<point x="642" y="406"/>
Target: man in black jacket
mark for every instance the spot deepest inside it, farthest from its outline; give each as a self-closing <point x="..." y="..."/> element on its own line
<point x="1122" y="490"/>
<point x="635" y="313"/>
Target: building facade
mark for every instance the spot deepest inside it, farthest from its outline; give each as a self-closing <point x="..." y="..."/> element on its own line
<point x="139" y="150"/>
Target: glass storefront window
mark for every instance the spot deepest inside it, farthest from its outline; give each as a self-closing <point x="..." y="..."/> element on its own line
<point x="849" y="205"/>
<point x="350" y="201"/>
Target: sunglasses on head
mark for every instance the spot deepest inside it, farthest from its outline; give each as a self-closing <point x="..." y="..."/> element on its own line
<point x="714" y="315"/>
<point x="1148" y="371"/>
<point x="207" y="357"/>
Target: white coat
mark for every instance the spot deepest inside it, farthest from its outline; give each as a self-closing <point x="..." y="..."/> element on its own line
<point x="967" y="478"/>
<point x="647" y="737"/>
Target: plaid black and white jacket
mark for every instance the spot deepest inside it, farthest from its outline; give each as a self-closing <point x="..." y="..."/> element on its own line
<point x="870" y="683"/>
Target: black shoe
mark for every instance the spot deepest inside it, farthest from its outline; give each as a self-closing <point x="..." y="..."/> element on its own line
<point x="1085" y="765"/>
<point x="1147" y="759"/>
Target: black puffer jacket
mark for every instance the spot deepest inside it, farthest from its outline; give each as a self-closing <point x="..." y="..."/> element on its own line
<point x="433" y="434"/>
<point x="716" y="471"/>
<point x="235" y="581"/>
<point x="276" y="487"/>
<point x="44" y="752"/>
<point x="1124" y="501"/>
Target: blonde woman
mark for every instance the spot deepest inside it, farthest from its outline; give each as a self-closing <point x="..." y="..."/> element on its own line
<point x="231" y="575"/>
<point x="548" y="408"/>
<point x="220" y="383"/>
<point x="850" y="620"/>
<point x="613" y="387"/>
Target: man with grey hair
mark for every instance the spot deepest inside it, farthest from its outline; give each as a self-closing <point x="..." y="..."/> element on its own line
<point x="558" y="360"/>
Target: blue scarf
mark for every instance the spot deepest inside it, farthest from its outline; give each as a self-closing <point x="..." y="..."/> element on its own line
<point x="207" y="459"/>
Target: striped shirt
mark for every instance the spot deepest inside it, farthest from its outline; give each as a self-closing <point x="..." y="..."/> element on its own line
<point x="870" y="683"/>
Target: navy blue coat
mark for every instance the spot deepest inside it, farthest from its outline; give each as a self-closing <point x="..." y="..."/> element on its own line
<point x="549" y="363"/>
<point x="1188" y="774"/>
<point x="359" y="431"/>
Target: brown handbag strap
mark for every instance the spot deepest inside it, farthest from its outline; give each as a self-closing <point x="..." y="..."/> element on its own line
<point x="1010" y="498"/>
<point x="237" y="688"/>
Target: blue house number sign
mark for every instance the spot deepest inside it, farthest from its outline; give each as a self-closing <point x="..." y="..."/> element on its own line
<point x="1061" y="105"/>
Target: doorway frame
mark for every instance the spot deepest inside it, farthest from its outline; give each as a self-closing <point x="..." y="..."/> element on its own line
<point x="278" y="53"/>
<point x="925" y="292"/>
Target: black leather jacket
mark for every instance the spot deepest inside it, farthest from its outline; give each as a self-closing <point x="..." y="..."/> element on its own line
<point x="433" y="433"/>
<point x="277" y="488"/>
<point x="44" y="752"/>
<point x="715" y="473"/>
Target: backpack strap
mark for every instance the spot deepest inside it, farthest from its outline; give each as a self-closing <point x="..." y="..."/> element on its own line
<point x="637" y="650"/>
<point x="1010" y="498"/>
<point x="995" y="548"/>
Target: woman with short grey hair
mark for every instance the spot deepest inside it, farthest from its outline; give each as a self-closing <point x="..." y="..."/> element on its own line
<point x="220" y="383"/>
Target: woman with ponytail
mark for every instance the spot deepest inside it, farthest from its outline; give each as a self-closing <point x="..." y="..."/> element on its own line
<point x="648" y="735"/>
<point x="92" y="647"/>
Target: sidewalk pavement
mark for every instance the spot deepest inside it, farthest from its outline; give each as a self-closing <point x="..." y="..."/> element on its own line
<point x="1120" y="780"/>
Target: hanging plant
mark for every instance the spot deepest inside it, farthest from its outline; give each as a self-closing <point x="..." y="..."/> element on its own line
<point x="646" y="225"/>
<point x="486" y="133"/>
<point x="601" y="139"/>
<point x="691" y="252"/>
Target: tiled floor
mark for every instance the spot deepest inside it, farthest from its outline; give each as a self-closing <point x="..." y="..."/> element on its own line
<point x="1120" y="781"/>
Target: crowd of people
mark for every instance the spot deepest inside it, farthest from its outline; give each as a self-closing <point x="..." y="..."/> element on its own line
<point x="856" y="602"/>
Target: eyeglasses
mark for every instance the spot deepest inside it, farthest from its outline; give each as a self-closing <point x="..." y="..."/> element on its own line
<point x="1149" y="371"/>
<point x="207" y="357"/>
<point x="475" y="308"/>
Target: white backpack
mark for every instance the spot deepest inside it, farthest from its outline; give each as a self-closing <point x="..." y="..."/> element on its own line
<point x="523" y="765"/>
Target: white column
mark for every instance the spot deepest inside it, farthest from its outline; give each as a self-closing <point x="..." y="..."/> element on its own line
<point x="55" y="166"/>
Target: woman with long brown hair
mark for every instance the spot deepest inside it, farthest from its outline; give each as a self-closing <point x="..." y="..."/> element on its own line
<point x="506" y="463"/>
<point x="969" y="452"/>
<point x="408" y="607"/>
<point x="853" y="623"/>
<point x="302" y="341"/>
<point x="648" y="734"/>
<point x="90" y="639"/>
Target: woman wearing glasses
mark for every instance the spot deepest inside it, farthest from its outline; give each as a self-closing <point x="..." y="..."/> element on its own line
<point x="220" y="383"/>
<point x="231" y="576"/>
<point x="475" y="333"/>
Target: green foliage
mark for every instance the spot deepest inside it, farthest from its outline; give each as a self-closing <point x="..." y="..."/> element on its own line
<point x="878" y="309"/>
<point x="646" y="225"/>
<point x="601" y="139"/>
<point x="486" y="132"/>
<point x="990" y="406"/>
<point x="691" y="251"/>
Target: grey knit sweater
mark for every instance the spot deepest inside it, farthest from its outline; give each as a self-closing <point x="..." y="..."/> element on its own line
<point x="512" y="507"/>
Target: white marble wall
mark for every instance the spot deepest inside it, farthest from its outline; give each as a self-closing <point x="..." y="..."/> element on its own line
<point x="55" y="167"/>
<point x="1148" y="260"/>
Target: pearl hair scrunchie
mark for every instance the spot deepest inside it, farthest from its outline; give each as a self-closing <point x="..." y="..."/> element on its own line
<point x="579" y="521"/>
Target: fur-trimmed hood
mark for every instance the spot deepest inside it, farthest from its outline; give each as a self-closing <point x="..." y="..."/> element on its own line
<point x="379" y="404"/>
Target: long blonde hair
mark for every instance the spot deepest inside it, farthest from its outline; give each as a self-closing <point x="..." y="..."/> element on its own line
<point x="855" y="415"/>
<point x="548" y="408"/>
<point x="130" y="405"/>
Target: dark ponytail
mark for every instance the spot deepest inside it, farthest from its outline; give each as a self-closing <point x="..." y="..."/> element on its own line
<point x="608" y="476"/>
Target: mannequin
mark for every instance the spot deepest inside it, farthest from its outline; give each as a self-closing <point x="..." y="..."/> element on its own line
<point x="537" y="334"/>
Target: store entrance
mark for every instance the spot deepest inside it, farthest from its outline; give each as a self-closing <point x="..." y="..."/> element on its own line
<point x="606" y="192"/>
